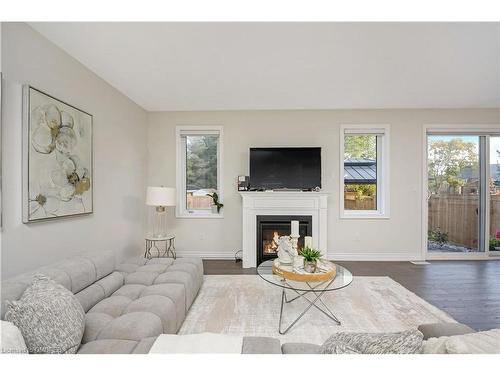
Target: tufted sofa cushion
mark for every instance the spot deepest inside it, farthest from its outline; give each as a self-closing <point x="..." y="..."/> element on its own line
<point x="184" y="272"/>
<point x="75" y="274"/>
<point x="149" y="297"/>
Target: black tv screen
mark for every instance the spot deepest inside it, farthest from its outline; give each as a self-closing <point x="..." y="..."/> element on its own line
<point x="285" y="168"/>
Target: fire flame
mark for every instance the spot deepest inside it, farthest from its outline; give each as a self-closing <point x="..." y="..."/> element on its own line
<point x="270" y="246"/>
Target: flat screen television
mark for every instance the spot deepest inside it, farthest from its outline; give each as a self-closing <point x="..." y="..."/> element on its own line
<point x="285" y="168"/>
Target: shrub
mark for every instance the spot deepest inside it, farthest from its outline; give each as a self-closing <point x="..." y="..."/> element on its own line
<point x="494" y="242"/>
<point x="437" y="235"/>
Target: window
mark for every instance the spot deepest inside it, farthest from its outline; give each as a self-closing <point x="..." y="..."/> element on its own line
<point x="364" y="164"/>
<point x="199" y="150"/>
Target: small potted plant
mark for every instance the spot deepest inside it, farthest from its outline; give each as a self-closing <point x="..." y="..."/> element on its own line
<point x="216" y="204"/>
<point x="311" y="257"/>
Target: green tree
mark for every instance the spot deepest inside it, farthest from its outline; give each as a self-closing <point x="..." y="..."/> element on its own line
<point x="201" y="162"/>
<point x="447" y="159"/>
<point x="360" y="146"/>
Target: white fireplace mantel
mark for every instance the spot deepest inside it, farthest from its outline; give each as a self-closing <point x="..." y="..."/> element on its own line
<point x="312" y="204"/>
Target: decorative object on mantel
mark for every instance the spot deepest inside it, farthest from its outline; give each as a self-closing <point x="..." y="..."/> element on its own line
<point x="160" y="197"/>
<point x="57" y="158"/>
<point x="217" y="205"/>
<point x="243" y="183"/>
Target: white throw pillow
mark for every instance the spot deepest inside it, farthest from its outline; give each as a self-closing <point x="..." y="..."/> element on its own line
<point x="198" y="343"/>
<point x="435" y="345"/>
<point x="12" y="341"/>
<point x="485" y="342"/>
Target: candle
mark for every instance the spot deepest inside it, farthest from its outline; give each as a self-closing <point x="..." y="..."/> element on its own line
<point x="308" y="241"/>
<point x="295" y="228"/>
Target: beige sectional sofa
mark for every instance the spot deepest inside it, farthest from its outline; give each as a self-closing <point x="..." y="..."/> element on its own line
<point x="127" y="305"/>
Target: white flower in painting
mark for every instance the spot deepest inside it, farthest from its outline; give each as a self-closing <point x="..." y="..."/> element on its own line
<point x="71" y="179"/>
<point x="43" y="202"/>
<point x="52" y="130"/>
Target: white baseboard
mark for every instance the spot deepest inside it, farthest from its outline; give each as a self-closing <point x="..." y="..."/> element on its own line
<point x="205" y="255"/>
<point x="373" y="257"/>
<point x="458" y="256"/>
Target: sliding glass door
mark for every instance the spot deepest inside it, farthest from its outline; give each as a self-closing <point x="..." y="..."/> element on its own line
<point x="494" y="195"/>
<point x="463" y="194"/>
<point x="454" y="188"/>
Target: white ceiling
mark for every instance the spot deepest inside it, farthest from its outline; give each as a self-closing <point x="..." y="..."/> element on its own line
<point x="227" y="66"/>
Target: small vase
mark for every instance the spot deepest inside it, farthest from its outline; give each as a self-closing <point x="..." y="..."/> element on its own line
<point x="310" y="266"/>
<point x="214" y="210"/>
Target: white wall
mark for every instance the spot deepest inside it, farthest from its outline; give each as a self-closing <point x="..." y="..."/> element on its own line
<point x="0" y="138"/>
<point x="397" y="238"/>
<point x="119" y="157"/>
<point x="0" y="46"/>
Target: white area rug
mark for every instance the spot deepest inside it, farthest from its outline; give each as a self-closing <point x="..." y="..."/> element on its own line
<point x="247" y="305"/>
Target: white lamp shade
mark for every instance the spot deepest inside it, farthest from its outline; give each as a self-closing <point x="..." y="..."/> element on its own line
<point x="160" y="196"/>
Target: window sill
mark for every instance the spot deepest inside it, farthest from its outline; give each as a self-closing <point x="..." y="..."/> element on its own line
<point x="364" y="216"/>
<point x="199" y="216"/>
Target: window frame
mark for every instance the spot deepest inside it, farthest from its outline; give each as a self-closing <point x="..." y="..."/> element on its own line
<point x="382" y="131"/>
<point x="181" y="210"/>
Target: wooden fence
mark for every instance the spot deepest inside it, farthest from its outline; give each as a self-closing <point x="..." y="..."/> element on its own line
<point x="457" y="215"/>
<point x="351" y="203"/>
<point x="195" y="202"/>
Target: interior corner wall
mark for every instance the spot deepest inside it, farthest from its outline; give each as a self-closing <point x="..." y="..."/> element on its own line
<point x="396" y="238"/>
<point x="0" y="141"/>
<point x="119" y="145"/>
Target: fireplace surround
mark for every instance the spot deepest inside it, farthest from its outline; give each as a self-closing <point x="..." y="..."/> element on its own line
<point x="282" y="203"/>
<point x="269" y="225"/>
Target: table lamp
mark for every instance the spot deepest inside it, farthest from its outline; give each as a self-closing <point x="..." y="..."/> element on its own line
<point x="160" y="197"/>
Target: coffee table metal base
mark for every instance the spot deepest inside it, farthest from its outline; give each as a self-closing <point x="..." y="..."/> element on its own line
<point x="311" y="303"/>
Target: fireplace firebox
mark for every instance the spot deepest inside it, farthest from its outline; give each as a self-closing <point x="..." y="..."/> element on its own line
<point x="269" y="225"/>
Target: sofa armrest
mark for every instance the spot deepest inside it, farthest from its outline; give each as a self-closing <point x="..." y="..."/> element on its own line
<point x="444" y="329"/>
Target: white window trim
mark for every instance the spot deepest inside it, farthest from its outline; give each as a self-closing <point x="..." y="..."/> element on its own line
<point x="383" y="171"/>
<point x="180" y="209"/>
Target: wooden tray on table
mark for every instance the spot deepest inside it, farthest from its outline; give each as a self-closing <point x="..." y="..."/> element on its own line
<point x="287" y="272"/>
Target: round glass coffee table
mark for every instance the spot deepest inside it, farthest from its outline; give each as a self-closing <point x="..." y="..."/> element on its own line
<point x="302" y="289"/>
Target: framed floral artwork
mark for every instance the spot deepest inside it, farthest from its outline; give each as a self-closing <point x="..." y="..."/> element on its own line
<point x="57" y="158"/>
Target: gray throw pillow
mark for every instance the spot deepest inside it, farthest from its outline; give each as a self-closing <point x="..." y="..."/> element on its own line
<point x="406" y="342"/>
<point x="49" y="317"/>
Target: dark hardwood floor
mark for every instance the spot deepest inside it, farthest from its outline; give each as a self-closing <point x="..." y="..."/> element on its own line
<point x="467" y="290"/>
